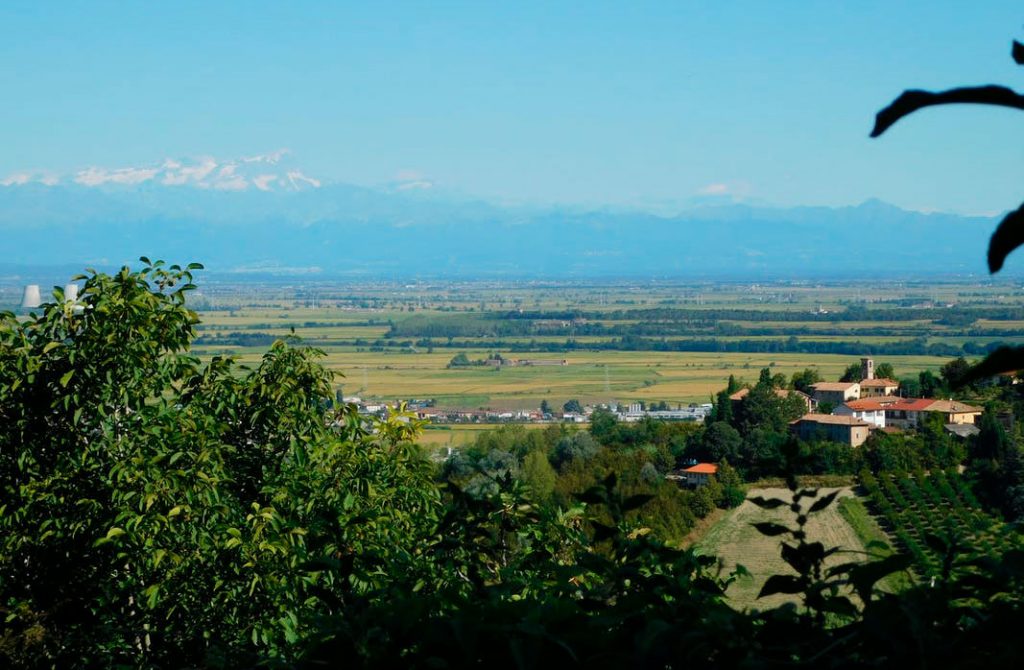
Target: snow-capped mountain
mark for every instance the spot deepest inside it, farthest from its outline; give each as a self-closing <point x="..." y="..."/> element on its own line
<point x="264" y="172"/>
<point x="261" y="212"/>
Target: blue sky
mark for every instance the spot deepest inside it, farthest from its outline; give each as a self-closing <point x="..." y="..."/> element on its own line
<point x="586" y="103"/>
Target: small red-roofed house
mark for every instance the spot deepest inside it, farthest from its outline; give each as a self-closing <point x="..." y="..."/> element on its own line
<point x="698" y="475"/>
<point x="871" y="410"/>
<point x="907" y="413"/>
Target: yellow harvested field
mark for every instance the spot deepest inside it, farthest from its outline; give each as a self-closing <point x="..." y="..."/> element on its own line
<point x="591" y="377"/>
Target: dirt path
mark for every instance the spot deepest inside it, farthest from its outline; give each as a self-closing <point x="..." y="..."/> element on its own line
<point x="734" y="540"/>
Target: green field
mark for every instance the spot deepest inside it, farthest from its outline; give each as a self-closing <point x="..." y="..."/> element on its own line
<point x="394" y="341"/>
<point x="591" y="377"/>
<point x="736" y="542"/>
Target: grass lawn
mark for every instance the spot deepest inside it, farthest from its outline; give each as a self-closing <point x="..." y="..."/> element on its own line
<point x="735" y="541"/>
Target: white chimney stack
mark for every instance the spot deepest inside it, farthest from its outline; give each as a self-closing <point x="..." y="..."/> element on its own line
<point x="71" y="293"/>
<point x="31" y="298"/>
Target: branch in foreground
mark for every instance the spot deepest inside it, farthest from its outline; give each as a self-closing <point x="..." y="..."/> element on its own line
<point x="914" y="100"/>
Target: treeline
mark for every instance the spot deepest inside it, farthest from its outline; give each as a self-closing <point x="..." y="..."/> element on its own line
<point x="556" y="463"/>
<point x="850" y="313"/>
<point x="792" y="345"/>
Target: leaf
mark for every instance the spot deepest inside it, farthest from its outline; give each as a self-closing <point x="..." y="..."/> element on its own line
<point x="1003" y="359"/>
<point x="781" y="584"/>
<point x="66" y="377"/>
<point x="864" y="576"/>
<point x="593" y="496"/>
<point x="767" y="503"/>
<point x="634" y="502"/>
<point x="1017" y="52"/>
<point x="911" y="101"/>
<point x="878" y="544"/>
<point x="1008" y="236"/>
<point x="840" y="605"/>
<point x="771" y="529"/>
<point x="152" y="595"/>
<point x="603" y="532"/>
<point x="823" y="502"/>
<point x="936" y="544"/>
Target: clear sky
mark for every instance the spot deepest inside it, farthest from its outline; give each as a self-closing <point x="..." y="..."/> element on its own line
<point x="584" y="102"/>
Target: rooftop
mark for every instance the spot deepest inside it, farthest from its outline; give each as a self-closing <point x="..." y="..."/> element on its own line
<point x="872" y="404"/>
<point x="702" y="469"/>
<point x="879" y="383"/>
<point x="782" y="393"/>
<point x="953" y="407"/>
<point x="834" y="386"/>
<point x="830" y="419"/>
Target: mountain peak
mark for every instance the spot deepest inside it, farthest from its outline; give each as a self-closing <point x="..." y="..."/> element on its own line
<point x="262" y="172"/>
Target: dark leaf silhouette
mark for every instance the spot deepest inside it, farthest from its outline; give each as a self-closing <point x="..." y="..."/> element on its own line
<point x="1018" y="52"/>
<point x="864" y="576"/>
<point x="634" y="502"/>
<point x="824" y="502"/>
<point x="771" y="529"/>
<point x="913" y="100"/>
<point x="1008" y="236"/>
<point x="1003" y="359"/>
<point x="767" y="503"/>
<point x="781" y="584"/>
<point x="839" y="605"/>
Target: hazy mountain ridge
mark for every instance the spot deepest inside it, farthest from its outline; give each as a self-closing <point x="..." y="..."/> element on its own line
<point x="349" y="230"/>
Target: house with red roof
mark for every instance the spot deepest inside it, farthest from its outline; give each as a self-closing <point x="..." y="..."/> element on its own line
<point x="698" y="475"/>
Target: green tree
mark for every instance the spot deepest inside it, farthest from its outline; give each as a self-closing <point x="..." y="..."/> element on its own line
<point x="573" y="406"/>
<point x="182" y="500"/>
<point x="885" y="371"/>
<point x="928" y="384"/>
<point x="545" y="408"/>
<point x="954" y="372"/>
<point x="537" y="473"/>
<point x="733" y="491"/>
<point x="804" y="380"/>
<point x="852" y="373"/>
<point x="721" y="442"/>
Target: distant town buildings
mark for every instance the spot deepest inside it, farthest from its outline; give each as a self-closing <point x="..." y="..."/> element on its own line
<point x="836" y="392"/>
<point x="844" y="429"/>
<point x="904" y="413"/>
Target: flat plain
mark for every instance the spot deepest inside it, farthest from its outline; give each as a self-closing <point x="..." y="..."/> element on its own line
<point x="622" y="342"/>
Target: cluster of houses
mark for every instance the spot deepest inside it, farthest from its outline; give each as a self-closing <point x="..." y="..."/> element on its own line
<point x="873" y="404"/>
<point x="425" y="409"/>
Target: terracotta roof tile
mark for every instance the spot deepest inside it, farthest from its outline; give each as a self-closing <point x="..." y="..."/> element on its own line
<point x="702" y="469"/>
<point x="832" y="419"/>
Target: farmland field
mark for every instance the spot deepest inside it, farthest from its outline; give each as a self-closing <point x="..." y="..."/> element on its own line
<point x="736" y="542"/>
<point x="622" y="342"/>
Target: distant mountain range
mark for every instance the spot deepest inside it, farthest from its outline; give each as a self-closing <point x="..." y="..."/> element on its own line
<point x="255" y="217"/>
